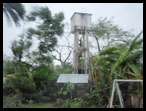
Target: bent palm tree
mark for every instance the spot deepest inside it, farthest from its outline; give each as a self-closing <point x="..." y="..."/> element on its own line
<point x="14" y="10"/>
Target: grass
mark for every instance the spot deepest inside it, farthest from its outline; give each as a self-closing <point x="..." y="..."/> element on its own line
<point x="37" y="106"/>
<point x="50" y="105"/>
<point x="75" y="105"/>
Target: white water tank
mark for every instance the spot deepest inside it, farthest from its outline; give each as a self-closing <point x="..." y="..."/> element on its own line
<point x="80" y="21"/>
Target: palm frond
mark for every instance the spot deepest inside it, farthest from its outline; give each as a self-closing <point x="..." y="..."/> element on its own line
<point x="109" y="50"/>
<point x="14" y="10"/>
<point x="133" y="44"/>
<point x="127" y="54"/>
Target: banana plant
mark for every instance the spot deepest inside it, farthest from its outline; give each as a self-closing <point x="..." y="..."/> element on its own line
<point x="117" y="62"/>
<point x="127" y="55"/>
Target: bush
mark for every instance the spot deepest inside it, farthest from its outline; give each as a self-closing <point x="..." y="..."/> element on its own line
<point x="20" y="84"/>
<point x="11" y="101"/>
<point x="66" y="104"/>
<point x="59" y="101"/>
<point x="37" y="97"/>
<point x="8" y="67"/>
<point x="45" y="99"/>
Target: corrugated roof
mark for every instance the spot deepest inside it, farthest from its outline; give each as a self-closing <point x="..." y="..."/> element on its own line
<point x="73" y="78"/>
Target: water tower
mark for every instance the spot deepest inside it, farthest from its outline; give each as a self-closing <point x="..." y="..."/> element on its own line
<point x="80" y="26"/>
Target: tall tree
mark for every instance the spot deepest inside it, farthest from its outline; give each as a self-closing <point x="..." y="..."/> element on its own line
<point x="106" y="30"/>
<point x="15" y="11"/>
<point x="48" y="29"/>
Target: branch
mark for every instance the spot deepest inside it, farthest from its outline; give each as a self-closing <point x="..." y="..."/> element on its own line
<point x="66" y="46"/>
<point x="68" y="56"/>
<point x="97" y="41"/>
<point x="60" y="52"/>
<point x="59" y="59"/>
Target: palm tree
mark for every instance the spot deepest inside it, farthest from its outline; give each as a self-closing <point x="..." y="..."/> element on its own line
<point x="14" y="10"/>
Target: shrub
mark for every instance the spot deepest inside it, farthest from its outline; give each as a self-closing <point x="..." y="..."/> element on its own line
<point x="11" y="101"/>
<point x="37" y="97"/>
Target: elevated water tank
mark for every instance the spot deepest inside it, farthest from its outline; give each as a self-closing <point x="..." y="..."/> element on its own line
<point x="80" y="21"/>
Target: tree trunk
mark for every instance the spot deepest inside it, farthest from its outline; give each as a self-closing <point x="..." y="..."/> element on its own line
<point x="97" y="43"/>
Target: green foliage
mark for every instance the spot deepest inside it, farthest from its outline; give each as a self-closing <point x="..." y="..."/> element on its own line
<point x="38" y="106"/>
<point x="39" y="84"/>
<point x="48" y="30"/>
<point x="42" y="76"/>
<point x="124" y="56"/>
<point x="116" y="62"/>
<point x="75" y="105"/>
<point x="101" y="97"/>
<point x="20" y="84"/>
<point x="8" y="67"/>
<point x="115" y="59"/>
<point x="112" y="34"/>
<point x="66" y="104"/>
<point x="45" y="80"/>
<point x="22" y="68"/>
<point x="67" y="89"/>
<point x="24" y="84"/>
<point x="15" y="11"/>
<point x="105" y="26"/>
<point x="63" y="69"/>
<point x="20" y="47"/>
<point x="36" y="80"/>
<point x="37" y="97"/>
<point x="11" y="101"/>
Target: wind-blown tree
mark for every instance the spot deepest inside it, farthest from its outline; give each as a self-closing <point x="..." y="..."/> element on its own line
<point x="16" y="11"/>
<point x="118" y="62"/>
<point x="48" y="30"/>
<point x="130" y="57"/>
<point x="105" y="30"/>
<point x="20" y="47"/>
<point x="42" y="77"/>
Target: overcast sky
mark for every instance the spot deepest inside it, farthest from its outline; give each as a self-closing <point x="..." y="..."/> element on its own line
<point x="128" y="16"/>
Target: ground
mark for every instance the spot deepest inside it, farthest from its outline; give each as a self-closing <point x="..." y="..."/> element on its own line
<point x="49" y="105"/>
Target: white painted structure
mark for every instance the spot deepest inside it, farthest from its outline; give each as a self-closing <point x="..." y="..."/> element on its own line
<point x="116" y="86"/>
